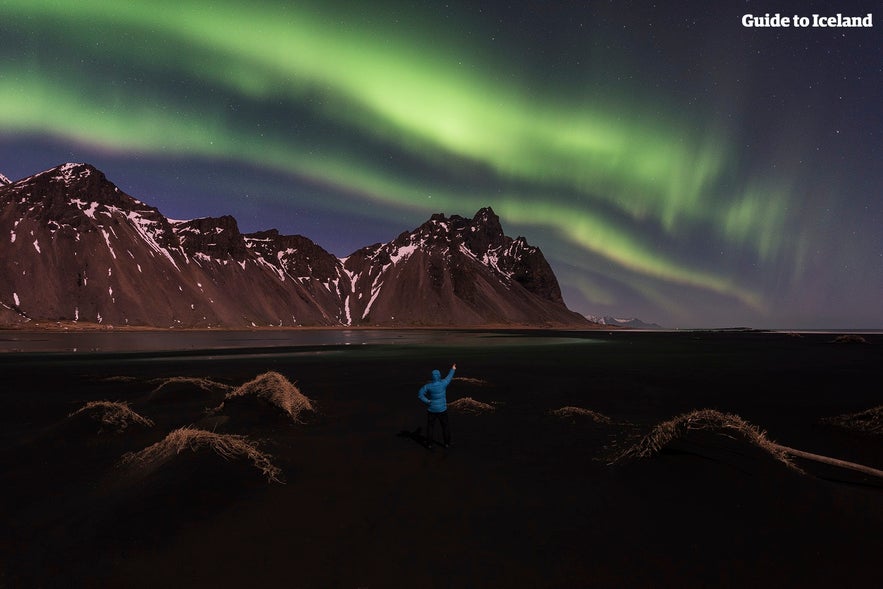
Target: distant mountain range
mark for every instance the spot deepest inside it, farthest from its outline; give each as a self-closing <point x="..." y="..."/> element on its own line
<point x="76" y="248"/>
<point x="632" y="322"/>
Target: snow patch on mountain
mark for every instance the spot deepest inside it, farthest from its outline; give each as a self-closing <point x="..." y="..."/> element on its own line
<point x="70" y="172"/>
<point x="149" y="230"/>
<point x="404" y="252"/>
<point x="87" y="208"/>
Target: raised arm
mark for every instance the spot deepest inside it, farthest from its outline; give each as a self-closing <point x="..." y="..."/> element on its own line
<point x="450" y="375"/>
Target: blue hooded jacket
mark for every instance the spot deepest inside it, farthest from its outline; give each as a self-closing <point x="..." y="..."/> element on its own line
<point x="433" y="393"/>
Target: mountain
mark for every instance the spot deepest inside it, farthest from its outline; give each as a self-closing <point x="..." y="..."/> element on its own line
<point x="455" y="271"/>
<point x="632" y="322"/>
<point x="79" y="249"/>
<point x="4" y="180"/>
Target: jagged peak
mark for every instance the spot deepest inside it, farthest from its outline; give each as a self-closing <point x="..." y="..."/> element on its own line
<point x="79" y="185"/>
<point x="70" y="172"/>
<point x="485" y="214"/>
<point x="4" y="181"/>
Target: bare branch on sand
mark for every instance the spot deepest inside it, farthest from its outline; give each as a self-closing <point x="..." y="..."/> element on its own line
<point x="227" y="446"/>
<point x="728" y="424"/>
<point x="112" y="415"/>
<point x="706" y="419"/>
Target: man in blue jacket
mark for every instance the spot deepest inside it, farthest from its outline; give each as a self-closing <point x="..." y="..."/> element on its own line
<point x="434" y="395"/>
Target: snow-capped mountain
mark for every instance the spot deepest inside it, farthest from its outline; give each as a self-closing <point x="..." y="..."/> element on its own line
<point x="455" y="271"/>
<point x="632" y="322"/>
<point x="79" y="249"/>
<point x="4" y="180"/>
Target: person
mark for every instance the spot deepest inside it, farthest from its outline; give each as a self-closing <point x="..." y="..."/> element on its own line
<point x="434" y="395"/>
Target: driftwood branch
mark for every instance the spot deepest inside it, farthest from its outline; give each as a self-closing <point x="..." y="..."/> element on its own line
<point x="725" y="424"/>
<point x="831" y="461"/>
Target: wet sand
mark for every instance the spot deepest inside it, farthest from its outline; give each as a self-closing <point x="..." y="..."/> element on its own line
<point x="524" y="498"/>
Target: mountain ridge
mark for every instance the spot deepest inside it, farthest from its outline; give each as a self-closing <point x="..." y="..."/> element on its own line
<point x="81" y="250"/>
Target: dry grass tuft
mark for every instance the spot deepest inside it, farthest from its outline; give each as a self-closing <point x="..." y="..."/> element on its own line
<point x="850" y="338"/>
<point x="469" y="380"/>
<point x="204" y="384"/>
<point x="227" y="446"/>
<point x="869" y="421"/>
<point x="726" y="424"/>
<point x="275" y="389"/>
<point x="470" y="405"/>
<point x="574" y="412"/>
<point x="112" y="415"/>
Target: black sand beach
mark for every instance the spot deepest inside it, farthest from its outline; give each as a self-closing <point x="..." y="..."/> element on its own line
<point x="525" y="497"/>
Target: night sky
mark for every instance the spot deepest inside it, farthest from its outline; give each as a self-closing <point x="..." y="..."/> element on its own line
<point x="671" y="163"/>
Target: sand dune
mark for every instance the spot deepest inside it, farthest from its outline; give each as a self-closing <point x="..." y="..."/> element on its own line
<point x="205" y="384"/>
<point x="470" y="405"/>
<point x="270" y="389"/>
<point x="169" y="387"/>
<point x="112" y="416"/>
<point x="470" y="380"/>
<point x="571" y="412"/>
<point x="227" y="446"/>
<point x="724" y="424"/>
<point x="869" y="421"/>
<point x="850" y="338"/>
<point x="735" y="428"/>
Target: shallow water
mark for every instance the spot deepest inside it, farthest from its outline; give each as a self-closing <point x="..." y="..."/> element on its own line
<point x="172" y="341"/>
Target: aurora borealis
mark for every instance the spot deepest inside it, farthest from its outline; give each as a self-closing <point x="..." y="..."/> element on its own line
<point x="671" y="163"/>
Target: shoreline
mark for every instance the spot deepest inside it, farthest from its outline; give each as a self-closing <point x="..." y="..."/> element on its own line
<point x="73" y="327"/>
<point x="56" y="327"/>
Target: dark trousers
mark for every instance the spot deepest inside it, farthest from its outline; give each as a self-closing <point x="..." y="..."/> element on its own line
<point x="442" y="418"/>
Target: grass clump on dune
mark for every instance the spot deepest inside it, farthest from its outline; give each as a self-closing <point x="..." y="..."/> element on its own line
<point x="850" y="338"/>
<point x="869" y="421"/>
<point x="470" y="405"/>
<point x="573" y="412"/>
<point x="726" y="424"/>
<point x="470" y="380"/>
<point x="730" y="425"/>
<point x="112" y="415"/>
<point x="227" y="446"/>
<point x="204" y="384"/>
<point x="276" y="390"/>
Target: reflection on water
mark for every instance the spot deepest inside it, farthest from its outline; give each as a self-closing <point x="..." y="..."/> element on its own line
<point x="156" y="341"/>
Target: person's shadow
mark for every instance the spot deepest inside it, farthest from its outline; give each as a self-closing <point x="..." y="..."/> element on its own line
<point x="417" y="436"/>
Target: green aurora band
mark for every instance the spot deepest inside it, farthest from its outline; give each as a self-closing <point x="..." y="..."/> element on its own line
<point x="595" y="174"/>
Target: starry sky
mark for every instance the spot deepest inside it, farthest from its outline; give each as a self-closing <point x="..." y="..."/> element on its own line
<point x="671" y="163"/>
